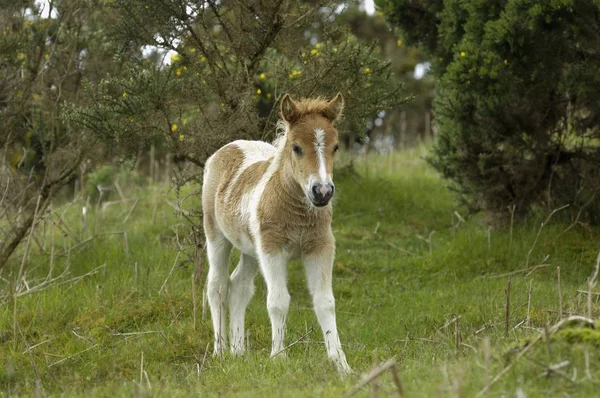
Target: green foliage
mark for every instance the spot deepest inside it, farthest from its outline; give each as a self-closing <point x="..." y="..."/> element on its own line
<point x="516" y="105"/>
<point x="230" y="64"/>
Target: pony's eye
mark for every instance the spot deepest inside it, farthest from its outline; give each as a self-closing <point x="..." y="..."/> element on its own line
<point x="336" y="148"/>
<point x="297" y="150"/>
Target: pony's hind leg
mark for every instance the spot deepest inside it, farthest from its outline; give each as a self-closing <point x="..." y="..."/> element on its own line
<point x="218" y="250"/>
<point x="240" y="294"/>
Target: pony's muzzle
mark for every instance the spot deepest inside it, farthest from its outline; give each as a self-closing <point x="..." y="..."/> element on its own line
<point x="321" y="194"/>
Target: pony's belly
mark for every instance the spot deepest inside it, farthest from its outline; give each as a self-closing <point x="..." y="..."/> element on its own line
<point x="234" y="230"/>
<point x="244" y="244"/>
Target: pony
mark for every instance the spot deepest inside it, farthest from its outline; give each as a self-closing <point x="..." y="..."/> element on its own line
<point x="273" y="203"/>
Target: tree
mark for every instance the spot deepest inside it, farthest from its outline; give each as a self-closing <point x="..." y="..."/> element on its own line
<point x="516" y="105"/>
<point x="42" y="63"/>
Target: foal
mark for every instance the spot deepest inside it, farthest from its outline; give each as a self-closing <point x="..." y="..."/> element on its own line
<point x="272" y="202"/>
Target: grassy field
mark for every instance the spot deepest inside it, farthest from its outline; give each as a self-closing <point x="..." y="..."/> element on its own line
<point x="416" y="279"/>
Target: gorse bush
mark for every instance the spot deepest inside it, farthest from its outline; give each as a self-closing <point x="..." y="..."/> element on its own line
<point x="517" y="107"/>
<point x="94" y="80"/>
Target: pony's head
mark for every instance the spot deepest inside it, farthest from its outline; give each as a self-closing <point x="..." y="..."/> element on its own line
<point x="310" y="142"/>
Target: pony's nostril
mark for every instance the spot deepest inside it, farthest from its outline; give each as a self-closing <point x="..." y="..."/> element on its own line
<point x="316" y="190"/>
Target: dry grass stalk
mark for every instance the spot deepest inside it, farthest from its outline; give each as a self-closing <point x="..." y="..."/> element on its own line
<point x="521" y="353"/>
<point x="374" y="383"/>
<point x="458" y="339"/>
<point x="396" y="380"/>
<point x="540" y="231"/>
<point x="73" y="356"/>
<point x="194" y="300"/>
<point x="512" y="223"/>
<point x="528" y="319"/>
<point x="507" y="318"/>
<point x="519" y="271"/>
<point x="560" y="306"/>
<point x="591" y="284"/>
<point x="38" y="380"/>
<point x="372" y="375"/>
<point x="130" y="211"/>
<point x="141" y="367"/>
<point x="400" y="249"/>
<point x="170" y="272"/>
<point x="299" y="340"/>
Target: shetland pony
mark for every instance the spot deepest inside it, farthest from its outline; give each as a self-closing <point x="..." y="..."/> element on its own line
<point x="273" y="203"/>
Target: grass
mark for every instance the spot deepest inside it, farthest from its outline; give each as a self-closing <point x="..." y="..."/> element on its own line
<point x="416" y="278"/>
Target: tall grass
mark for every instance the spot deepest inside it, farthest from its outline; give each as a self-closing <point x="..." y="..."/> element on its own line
<point x="416" y="278"/>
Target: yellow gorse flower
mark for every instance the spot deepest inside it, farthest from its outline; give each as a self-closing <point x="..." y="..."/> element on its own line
<point x="262" y="76"/>
<point x="367" y="71"/>
<point x="295" y="73"/>
<point x="174" y="127"/>
<point x="462" y="53"/>
<point x="259" y="92"/>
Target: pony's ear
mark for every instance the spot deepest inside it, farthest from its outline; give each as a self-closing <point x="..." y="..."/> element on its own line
<point x="289" y="110"/>
<point x="336" y="107"/>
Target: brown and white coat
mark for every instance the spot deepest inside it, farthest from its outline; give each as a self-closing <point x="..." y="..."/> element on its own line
<point x="273" y="203"/>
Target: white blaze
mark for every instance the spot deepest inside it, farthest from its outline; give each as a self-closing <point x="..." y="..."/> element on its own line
<point x="320" y="147"/>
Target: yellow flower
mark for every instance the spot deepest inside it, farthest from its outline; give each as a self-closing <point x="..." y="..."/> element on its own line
<point x="462" y="53"/>
<point x="259" y="92"/>
<point x="193" y="50"/>
<point x="303" y="54"/>
<point x="295" y="73"/>
<point x="399" y="42"/>
<point x="174" y="127"/>
<point x="268" y="95"/>
<point x="203" y="59"/>
<point x="314" y="51"/>
<point x="21" y="56"/>
<point x="178" y="71"/>
<point x="263" y="76"/>
<point x="125" y="95"/>
<point x="46" y="56"/>
<point x="367" y="70"/>
<point x="318" y="45"/>
<point x="175" y="58"/>
<point x="35" y="96"/>
<point x="185" y="121"/>
<point x="181" y="136"/>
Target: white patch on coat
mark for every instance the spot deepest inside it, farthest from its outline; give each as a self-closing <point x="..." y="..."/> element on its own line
<point x="254" y="151"/>
<point x="320" y="148"/>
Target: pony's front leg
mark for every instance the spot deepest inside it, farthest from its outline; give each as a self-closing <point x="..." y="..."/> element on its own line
<point x="273" y="267"/>
<point x="319" y="266"/>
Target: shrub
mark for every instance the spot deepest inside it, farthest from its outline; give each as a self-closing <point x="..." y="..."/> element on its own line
<point x="517" y="107"/>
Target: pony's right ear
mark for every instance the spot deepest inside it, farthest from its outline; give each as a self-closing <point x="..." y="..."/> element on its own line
<point x="289" y="110"/>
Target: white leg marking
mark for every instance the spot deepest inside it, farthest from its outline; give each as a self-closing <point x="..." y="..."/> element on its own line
<point x="240" y="294"/>
<point x="218" y="288"/>
<point x="273" y="267"/>
<point x="318" y="272"/>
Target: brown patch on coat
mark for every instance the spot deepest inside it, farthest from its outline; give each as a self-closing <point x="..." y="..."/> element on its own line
<point x="219" y="173"/>
<point x="229" y="211"/>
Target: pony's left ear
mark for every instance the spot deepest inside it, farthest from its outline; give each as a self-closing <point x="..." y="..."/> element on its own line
<point x="336" y="107"/>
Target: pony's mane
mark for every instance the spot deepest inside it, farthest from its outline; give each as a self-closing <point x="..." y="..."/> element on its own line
<point x="304" y="107"/>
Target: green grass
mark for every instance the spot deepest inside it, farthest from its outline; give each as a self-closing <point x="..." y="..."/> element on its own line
<point x="406" y="268"/>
